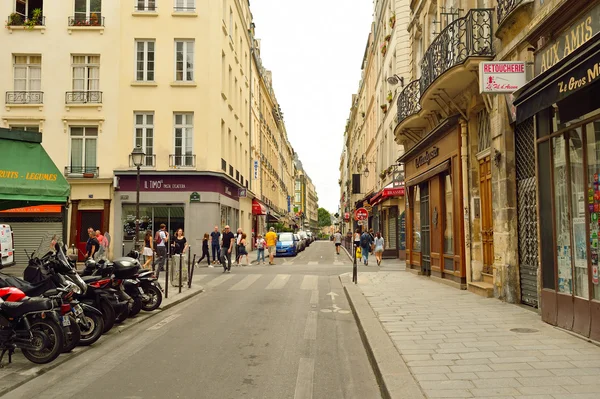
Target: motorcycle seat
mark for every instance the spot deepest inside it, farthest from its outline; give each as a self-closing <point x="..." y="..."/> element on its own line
<point x="16" y="309"/>
<point x="30" y="289"/>
<point x="92" y="279"/>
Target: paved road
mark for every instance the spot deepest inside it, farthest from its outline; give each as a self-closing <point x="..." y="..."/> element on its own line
<point x="283" y="331"/>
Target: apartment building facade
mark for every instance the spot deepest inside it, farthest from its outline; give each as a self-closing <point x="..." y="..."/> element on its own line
<point x="116" y="82"/>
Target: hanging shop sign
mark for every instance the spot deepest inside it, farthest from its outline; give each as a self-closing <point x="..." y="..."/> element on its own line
<point x="501" y="76"/>
<point x="425" y="158"/>
<point x="578" y="33"/>
<point x="242" y="192"/>
<point x="347" y="216"/>
<point x="255" y="170"/>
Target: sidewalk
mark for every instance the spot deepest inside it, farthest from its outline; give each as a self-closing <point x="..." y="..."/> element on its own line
<point x="386" y="264"/>
<point x="460" y="345"/>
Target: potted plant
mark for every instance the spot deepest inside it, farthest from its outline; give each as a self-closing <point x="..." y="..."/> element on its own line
<point x="88" y="175"/>
<point x="36" y="19"/>
<point x="384" y="108"/>
<point x="383" y="174"/>
<point x="387" y="38"/>
<point x="390" y="97"/>
<point x="14" y="19"/>
<point x="94" y="19"/>
<point x="393" y="21"/>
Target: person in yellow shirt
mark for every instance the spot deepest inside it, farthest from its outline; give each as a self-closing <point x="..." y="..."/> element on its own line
<point x="271" y="238"/>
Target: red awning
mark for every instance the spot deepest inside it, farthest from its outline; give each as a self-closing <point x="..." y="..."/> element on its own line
<point x="258" y="208"/>
<point x="387" y="192"/>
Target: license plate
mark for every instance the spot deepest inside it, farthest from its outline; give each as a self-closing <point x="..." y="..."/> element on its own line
<point x="281" y="250"/>
<point x="66" y="322"/>
<point x="78" y="310"/>
<point x="141" y="290"/>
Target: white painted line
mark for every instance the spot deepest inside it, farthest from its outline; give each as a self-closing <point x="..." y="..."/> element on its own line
<point x="332" y="295"/>
<point x="314" y="297"/>
<point x="310" y="282"/>
<point x="200" y="277"/>
<point x="245" y="283"/>
<point x="313" y="263"/>
<point x="310" y="330"/>
<point x="278" y="282"/>
<point x="163" y="323"/>
<point x="304" y="382"/>
<point x="219" y="280"/>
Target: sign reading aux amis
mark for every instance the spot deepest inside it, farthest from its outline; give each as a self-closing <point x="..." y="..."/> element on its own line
<point x="579" y="33"/>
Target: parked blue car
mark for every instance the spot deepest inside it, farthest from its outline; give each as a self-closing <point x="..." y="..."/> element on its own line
<point x="286" y="245"/>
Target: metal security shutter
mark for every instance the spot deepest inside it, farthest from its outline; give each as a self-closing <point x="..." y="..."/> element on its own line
<point x="28" y="235"/>
<point x="527" y="212"/>
<point x="392" y="228"/>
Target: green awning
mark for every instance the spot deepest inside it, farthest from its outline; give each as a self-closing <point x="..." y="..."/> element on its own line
<point x="27" y="174"/>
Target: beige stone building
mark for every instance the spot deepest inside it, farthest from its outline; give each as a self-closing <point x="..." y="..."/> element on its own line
<point x="199" y="109"/>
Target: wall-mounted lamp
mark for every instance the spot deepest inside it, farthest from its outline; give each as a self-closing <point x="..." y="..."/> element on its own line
<point x="395" y="79"/>
<point x="366" y="171"/>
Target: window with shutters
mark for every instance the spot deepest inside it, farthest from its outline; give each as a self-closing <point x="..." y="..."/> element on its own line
<point x="144" y="60"/>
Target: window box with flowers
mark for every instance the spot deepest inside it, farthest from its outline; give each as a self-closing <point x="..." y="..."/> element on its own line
<point x="383" y="174"/>
<point x="384" y="108"/>
<point x="390" y="97"/>
<point x="393" y="21"/>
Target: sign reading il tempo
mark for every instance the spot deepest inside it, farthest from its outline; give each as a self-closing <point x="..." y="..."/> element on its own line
<point x="361" y="214"/>
<point x="501" y="76"/>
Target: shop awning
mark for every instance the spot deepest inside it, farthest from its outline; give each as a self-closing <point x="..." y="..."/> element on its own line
<point x="258" y="208"/>
<point x="27" y="174"/>
<point x="575" y="72"/>
<point x="389" y="191"/>
<point x="273" y="217"/>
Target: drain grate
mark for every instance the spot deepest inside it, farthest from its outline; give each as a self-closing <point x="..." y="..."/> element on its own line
<point x="524" y="330"/>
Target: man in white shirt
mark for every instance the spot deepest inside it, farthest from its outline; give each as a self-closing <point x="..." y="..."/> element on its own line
<point x="337" y="239"/>
<point x="238" y="240"/>
<point x="161" y="239"/>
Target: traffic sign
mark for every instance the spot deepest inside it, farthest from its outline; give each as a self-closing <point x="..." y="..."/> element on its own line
<point x="361" y="214"/>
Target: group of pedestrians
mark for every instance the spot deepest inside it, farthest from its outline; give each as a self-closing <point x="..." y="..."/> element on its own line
<point x="97" y="245"/>
<point x="367" y="242"/>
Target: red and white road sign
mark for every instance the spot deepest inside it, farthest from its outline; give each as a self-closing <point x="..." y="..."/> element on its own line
<point x="361" y="214"/>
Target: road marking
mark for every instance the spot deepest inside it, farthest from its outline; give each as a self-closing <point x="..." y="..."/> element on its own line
<point x="245" y="283"/>
<point x="199" y="277"/>
<point x="310" y="330"/>
<point x="278" y="282"/>
<point x="332" y="295"/>
<point x="310" y="282"/>
<point x="218" y="280"/>
<point x="164" y="322"/>
<point x="314" y="297"/>
<point x="313" y="263"/>
<point x="304" y="382"/>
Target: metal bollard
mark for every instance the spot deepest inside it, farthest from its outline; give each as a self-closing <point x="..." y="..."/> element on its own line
<point x="180" y="271"/>
<point x="167" y="277"/>
<point x="123" y="249"/>
<point x="191" y="272"/>
<point x="355" y="267"/>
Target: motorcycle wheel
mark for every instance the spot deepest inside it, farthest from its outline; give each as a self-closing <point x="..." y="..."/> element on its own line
<point x="49" y="337"/>
<point x="72" y="335"/>
<point x="121" y="317"/>
<point x="108" y="316"/>
<point x="155" y="298"/>
<point x="136" y="307"/>
<point x="93" y="331"/>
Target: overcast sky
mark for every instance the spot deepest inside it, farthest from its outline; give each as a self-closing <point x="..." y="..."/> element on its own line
<point x="314" y="49"/>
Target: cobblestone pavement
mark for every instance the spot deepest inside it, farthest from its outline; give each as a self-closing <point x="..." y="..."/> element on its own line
<point x="460" y="345"/>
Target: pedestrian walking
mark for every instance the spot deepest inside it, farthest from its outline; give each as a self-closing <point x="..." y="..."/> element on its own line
<point x="103" y="242"/>
<point x="161" y="238"/>
<point x="148" y="251"/>
<point x="271" y="239"/>
<point x="372" y="240"/>
<point x="379" y="247"/>
<point x="238" y="240"/>
<point x="242" y="250"/>
<point x="92" y="246"/>
<point x="215" y="237"/>
<point x="357" y="238"/>
<point x="337" y="239"/>
<point x="205" y="252"/>
<point x="260" y="249"/>
<point x="365" y="246"/>
<point x="228" y="240"/>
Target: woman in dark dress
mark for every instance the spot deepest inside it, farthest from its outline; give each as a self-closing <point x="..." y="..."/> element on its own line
<point x="180" y="245"/>
<point x="205" y="252"/>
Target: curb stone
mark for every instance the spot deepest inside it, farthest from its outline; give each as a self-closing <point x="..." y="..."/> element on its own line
<point x="65" y="357"/>
<point x="392" y="374"/>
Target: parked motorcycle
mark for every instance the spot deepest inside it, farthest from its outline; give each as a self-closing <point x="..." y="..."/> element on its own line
<point x="29" y="324"/>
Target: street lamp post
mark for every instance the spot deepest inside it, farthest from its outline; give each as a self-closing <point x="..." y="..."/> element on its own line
<point x="137" y="158"/>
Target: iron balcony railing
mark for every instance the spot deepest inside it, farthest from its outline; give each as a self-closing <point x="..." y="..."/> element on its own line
<point x="82" y="20"/>
<point x="92" y="171"/>
<point x="140" y="6"/>
<point x="24" y="97"/>
<point x="505" y="7"/>
<point x="469" y="36"/>
<point x="184" y="9"/>
<point x="408" y="100"/>
<point x="21" y="20"/>
<point x="148" y="162"/>
<point x="179" y="160"/>
<point x="83" y="97"/>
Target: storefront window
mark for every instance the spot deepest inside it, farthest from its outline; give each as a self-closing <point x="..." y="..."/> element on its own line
<point x="449" y="227"/>
<point x="593" y="198"/>
<point x="416" y="222"/>
<point x="578" y="212"/>
<point x="561" y="207"/>
<point x="150" y="219"/>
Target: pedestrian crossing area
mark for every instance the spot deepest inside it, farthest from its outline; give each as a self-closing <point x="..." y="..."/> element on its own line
<point x="269" y="282"/>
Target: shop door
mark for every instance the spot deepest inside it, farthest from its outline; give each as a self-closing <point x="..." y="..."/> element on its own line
<point x="425" y="231"/>
<point x="527" y="212"/>
<point x="86" y="219"/>
<point x="487" y="226"/>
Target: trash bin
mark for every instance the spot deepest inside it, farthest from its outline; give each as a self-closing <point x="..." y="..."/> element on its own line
<point x="174" y="269"/>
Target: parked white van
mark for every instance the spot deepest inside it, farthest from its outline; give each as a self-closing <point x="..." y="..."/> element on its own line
<point x="7" y="247"/>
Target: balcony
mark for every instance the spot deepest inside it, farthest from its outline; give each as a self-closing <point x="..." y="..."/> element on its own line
<point x="24" y="97"/>
<point x="82" y="171"/>
<point x="83" y="97"/>
<point x="408" y="100"/>
<point x="182" y="161"/>
<point x="93" y="20"/>
<point x="18" y="20"/>
<point x="149" y="161"/>
<point x="507" y="7"/>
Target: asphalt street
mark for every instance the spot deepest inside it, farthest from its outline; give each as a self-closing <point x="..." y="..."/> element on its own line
<point x="283" y="331"/>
